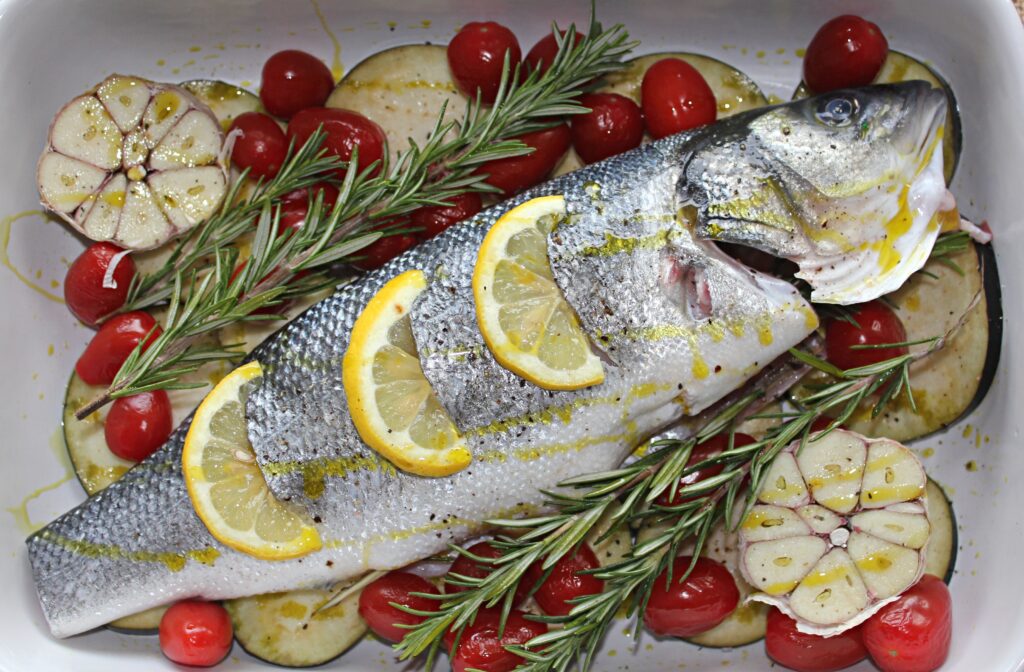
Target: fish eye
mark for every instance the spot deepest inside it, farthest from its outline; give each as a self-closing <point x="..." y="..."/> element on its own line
<point x="837" y="111"/>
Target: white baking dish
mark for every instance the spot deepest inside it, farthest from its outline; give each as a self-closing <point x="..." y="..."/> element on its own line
<point x="51" y="50"/>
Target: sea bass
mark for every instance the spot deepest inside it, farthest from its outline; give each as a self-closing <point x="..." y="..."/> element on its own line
<point x="678" y="323"/>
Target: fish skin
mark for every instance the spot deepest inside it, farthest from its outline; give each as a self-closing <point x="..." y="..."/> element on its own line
<point x="139" y="543"/>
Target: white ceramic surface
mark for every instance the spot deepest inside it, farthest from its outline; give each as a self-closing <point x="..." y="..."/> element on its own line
<point x="50" y="50"/>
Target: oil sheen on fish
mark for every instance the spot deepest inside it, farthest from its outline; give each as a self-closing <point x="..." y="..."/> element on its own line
<point x="678" y="323"/>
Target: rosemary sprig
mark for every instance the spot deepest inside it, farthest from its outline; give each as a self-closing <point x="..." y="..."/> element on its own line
<point x="628" y="495"/>
<point x="946" y="245"/>
<point x="196" y="281"/>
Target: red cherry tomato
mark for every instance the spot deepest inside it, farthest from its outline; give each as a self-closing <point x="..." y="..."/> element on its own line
<point x="702" y="451"/>
<point x="87" y="298"/>
<point x="345" y="130"/>
<point x="466" y="567"/>
<point x="565" y="582"/>
<point x="822" y="423"/>
<point x="798" y="651"/>
<point x="912" y="634"/>
<point x="476" y="56"/>
<point x="112" y="344"/>
<point x="515" y="174"/>
<point x="196" y="633"/>
<point x="847" y="51"/>
<point x="542" y="55"/>
<point x="262" y="145"/>
<point x="384" y="249"/>
<point x="137" y="425"/>
<point x="375" y="603"/>
<point x="614" y="125"/>
<point x="878" y="325"/>
<point x="294" y="80"/>
<point x="434" y="219"/>
<point x="690" y="607"/>
<point x="329" y="194"/>
<point x="675" y="97"/>
<point x="480" y="648"/>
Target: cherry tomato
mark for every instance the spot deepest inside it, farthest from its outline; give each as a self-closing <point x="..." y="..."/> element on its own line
<point x="434" y="219"/>
<point x="262" y="145"/>
<point x="701" y="452"/>
<point x="822" y="423"/>
<point x="878" y="325"/>
<point x="329" y="194"/>
<point x="514" y="174"/>
<point x="690" y="607"/>
<point x="87" y="298"/>
<point x="480" y="648"/>
<point x="344" y="130"/>
<point x="137" y="425"/>
<point x="196" y="633"/>
<point x="384" y="249"/>
<point x="542" y="55"/>
<point x="466" y="567"/>
<point x="381" y="617"/>
<point x="565" y="582"/>
<point x="613" y="125"/>
<point x="675" y="97"/>
<point x="847" y="51"/>
<point x="476" y="56"/>
<point x="112" y="344"/>
<point x="294" y="80"/>
<point x="798" y="651"/>
<point x="912" y="634"/>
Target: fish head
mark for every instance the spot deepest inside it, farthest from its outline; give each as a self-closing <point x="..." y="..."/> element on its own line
<point x="846" y="184"/>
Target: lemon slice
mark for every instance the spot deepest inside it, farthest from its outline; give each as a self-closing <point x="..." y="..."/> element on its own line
<point x="524" y="319"/>
<point x="226" y="486"/>
<point x="391" y="402"/>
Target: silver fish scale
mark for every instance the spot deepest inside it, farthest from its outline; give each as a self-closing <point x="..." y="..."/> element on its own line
<point x="139" y="544"/>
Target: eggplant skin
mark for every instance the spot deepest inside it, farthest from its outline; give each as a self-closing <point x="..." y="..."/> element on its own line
<point x="994" y="306"/>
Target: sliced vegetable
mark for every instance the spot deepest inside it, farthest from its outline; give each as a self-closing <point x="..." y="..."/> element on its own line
<point x="286" y="629"/>
<point x="403" y="90"/>
<point x="95" y="466"/>
<point x="143" y="623"/>
<point x="940" y="553"/>
<point x="837" y="531"/>
<point x="734" y="91"/>
<point x="900" y="67"/>
<point x="226" y="101"/>
<point x="951" y="382"/>
<point x="133" y="162"/>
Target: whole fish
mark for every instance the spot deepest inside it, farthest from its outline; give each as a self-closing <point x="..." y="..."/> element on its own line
<point x="678" y="323"/>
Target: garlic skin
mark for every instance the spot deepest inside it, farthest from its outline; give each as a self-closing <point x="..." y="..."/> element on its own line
<point x="133" y="162"/>
<point x="839" y="530"/>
